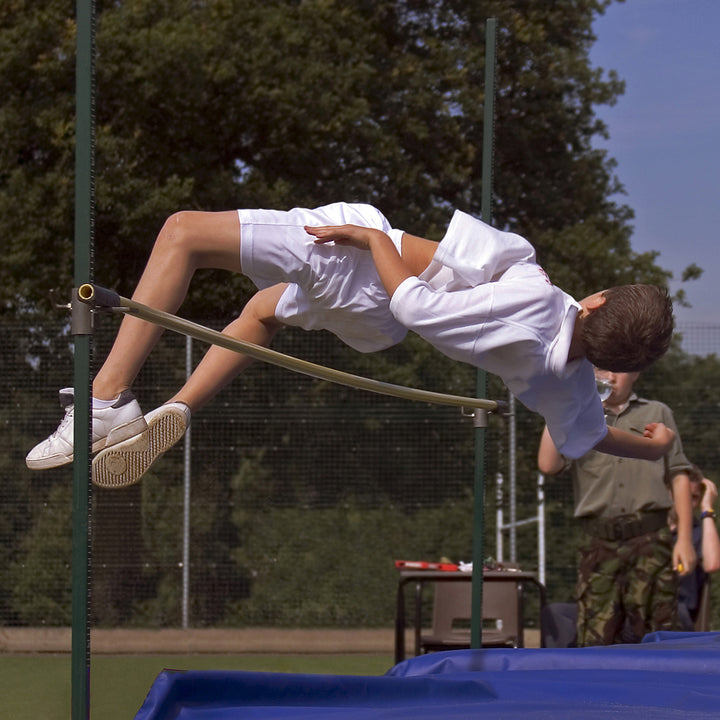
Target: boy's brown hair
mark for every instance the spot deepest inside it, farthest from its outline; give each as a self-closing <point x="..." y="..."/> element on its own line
<point x="695" y="474"/>
<point x="630" y="330"/>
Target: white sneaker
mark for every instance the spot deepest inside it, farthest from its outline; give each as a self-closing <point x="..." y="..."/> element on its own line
<point x="125" y="463"/>
<point x="110" y="425"/>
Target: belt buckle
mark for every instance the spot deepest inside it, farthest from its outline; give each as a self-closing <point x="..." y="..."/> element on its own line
<point x="618" y="530"/>
<point x="607" y="530"/>
<point x="624" y="528"/>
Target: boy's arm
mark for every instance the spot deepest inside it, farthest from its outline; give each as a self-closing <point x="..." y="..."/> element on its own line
<point x="652" y="444"/>
<point x="550" y="461"/>
<point x="390" y="265"/>
<point x="655" y="442"/>
<point x="684" y="556"/>
<point x="710" y="539"/>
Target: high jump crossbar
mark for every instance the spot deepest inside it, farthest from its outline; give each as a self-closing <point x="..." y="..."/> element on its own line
<point x="104" y="299"/>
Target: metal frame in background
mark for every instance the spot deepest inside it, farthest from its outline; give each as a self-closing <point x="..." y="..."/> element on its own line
<point x="478" y="540"/>
<point x="82" y="331"/>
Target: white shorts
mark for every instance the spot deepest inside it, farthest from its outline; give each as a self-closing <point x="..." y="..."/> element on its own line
<point x="329" y="288"/>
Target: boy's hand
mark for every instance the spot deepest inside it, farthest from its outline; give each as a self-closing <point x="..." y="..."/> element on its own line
<point x="655" y="441"/>
<point x="354" y="235"/>
<point x="709" y="497"/>
<point x="389" y="264"/>
<point x="661" y="437"/>
<point x="684" y="558"/>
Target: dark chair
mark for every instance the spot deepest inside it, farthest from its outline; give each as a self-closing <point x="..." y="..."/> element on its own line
<point x="501" y="616"/>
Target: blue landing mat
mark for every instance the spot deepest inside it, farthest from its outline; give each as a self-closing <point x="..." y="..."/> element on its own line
<point x="668" y="676"/>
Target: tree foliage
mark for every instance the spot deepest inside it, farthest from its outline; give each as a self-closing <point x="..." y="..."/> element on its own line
<point x="234" y="103"/>
<point x="218" y="104"/>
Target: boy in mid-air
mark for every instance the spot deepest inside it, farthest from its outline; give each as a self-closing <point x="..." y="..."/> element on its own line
<point x="478" y="296"/>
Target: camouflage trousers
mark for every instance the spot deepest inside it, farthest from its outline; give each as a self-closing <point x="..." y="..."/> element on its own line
<point x="625" y="589"/>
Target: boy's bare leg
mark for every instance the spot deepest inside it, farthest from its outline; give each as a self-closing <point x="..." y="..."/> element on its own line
<point x="126" y="462"/>
<point x="256" y="324"/>
<point x="187" y="242"/>
<point x="417" y="252"/>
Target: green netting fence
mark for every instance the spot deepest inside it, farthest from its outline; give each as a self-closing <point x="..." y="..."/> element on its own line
<point x="293" y="497"/>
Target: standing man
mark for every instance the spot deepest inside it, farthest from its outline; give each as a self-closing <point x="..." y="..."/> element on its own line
<point x="626" y="583"/>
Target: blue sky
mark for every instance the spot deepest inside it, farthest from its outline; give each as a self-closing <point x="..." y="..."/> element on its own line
<point x="665" y="134"/>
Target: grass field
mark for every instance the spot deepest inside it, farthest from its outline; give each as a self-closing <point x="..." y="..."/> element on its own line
<point x="38" y="686"/>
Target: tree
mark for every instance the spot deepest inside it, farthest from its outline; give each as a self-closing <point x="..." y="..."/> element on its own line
<point x="378" y="102"/>
<point x="235" y="103"/>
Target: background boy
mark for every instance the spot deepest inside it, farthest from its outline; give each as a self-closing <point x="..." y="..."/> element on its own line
<point x="626" y="583"/>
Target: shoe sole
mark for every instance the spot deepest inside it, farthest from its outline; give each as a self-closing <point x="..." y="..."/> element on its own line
<point x="124" y="464"/>
<point x="114" y="437"/>
<point x="47" y="463"/>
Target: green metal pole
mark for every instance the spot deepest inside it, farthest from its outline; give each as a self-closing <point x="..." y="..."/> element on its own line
<point x="82" y="330"/>
<point x="478" y="551"/>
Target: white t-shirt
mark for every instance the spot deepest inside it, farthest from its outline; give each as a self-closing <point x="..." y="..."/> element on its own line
<point x="485" y="301"/>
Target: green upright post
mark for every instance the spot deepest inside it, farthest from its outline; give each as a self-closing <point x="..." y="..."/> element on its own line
<point x="82" y="330"/>
<point x="478" y="551"/>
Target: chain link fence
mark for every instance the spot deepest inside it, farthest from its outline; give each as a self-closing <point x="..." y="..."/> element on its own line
<point x="291" y="498"/>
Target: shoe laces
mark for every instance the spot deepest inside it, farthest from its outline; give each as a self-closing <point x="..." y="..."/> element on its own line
<point x="69" y="415"/>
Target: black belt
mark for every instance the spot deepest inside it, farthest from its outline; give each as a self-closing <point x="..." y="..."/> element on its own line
<point x="625" y="526"/>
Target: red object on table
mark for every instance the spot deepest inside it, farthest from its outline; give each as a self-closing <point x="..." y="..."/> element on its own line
<point x="424" y="565"/>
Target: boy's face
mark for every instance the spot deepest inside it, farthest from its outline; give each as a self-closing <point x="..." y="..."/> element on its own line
<point x="697" y="490"/>
<point x="621" y="384"/>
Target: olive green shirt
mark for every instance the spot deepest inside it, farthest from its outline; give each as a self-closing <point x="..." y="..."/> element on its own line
<point x="606" y="486"/>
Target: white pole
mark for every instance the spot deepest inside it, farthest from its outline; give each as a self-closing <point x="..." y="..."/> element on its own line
<point x="513" y="485"/>
<point x="499" y="517"/>
<point x="541" y="527"/>
<point x="186" y="503"/>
